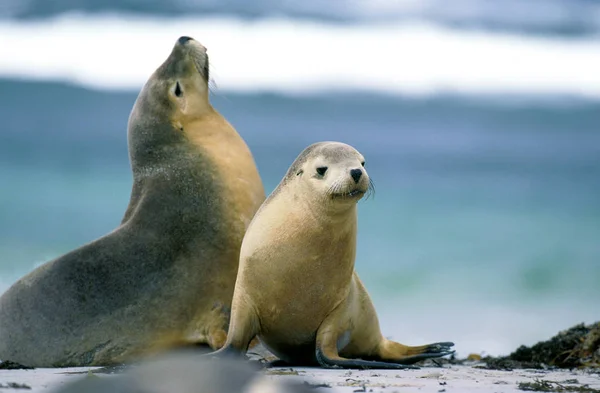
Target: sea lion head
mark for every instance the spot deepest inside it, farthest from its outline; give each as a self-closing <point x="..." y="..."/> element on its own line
<point x="333" y="172"/>
<point x="174" y="96"/>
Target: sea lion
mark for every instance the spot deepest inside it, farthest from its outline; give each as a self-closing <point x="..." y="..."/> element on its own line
<point x="314" y="309"/>
<point x="166" y="275"/>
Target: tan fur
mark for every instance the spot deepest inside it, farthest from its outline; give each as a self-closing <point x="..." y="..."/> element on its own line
<point x="235" y="170"/>
<point x="236" y="165"/>
<point x="165" y="276"/>
<point x="313" y="308"/>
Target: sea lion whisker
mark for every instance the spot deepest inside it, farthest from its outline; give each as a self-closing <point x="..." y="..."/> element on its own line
<point x="371" y="190"/>
<point x="333" y="189"/>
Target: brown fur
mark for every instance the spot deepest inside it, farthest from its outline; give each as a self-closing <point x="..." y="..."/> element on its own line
<point x="313" y="309"/>
<point x="166" y="275"/>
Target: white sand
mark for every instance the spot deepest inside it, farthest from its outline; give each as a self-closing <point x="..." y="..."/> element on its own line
<point x="428" y="379"/>
<point x="448" y="378"/>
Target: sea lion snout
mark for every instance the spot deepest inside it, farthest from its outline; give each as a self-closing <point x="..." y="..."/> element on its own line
<point x="186" y="41"/>
<point x="356" y="174"/>
<point x="357" y="187"/>
<point x="183" y="39"/>
<point x="197" y="52"/>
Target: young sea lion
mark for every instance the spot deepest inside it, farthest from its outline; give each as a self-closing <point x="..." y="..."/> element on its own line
<point x="313" y="309"/>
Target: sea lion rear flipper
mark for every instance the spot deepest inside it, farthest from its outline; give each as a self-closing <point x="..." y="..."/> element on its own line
<point x="435" y="350"/>
<point x="336" y="361"/>
<point x="328" y="357"/>
<point x="391" y="351"/>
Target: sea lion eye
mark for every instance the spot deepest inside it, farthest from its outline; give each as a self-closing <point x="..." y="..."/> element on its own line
<point x="321" y="170"/>
<point x="178" y="91"/>
<point x="362" y="163"/>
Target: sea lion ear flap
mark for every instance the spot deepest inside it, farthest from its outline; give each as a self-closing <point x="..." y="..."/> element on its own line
<point x="177" y="89"/>
<point x="177" y="95"/>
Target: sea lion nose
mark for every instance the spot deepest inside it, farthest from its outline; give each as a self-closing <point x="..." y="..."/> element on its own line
<point x="183" y="39"/>
<point x="356" y="174"/>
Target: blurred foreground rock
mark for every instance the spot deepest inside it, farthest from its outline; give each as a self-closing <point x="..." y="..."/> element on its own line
<point x="185" y="372"/>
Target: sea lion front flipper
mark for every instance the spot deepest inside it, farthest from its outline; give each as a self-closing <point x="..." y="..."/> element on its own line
<point x="217" y="338"/>
<point x="243" y="329"/>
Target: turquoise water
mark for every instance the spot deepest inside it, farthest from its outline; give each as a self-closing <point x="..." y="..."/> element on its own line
<point x="484" y="229"/>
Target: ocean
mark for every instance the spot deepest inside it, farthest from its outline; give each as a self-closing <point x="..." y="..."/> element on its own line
<point x="480" y="127"/>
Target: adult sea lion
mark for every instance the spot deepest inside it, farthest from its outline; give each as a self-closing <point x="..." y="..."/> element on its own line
<point x="313" y="310"/>
<point x="166" y="275"/>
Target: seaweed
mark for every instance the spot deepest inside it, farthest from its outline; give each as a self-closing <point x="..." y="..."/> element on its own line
<point x="14" y="385"/>
<point x="9" y="365"/>
<point x="507" y="364"/>
<point x="117" y="369"/>
<point x="316" y="385"/>
<point x="439" y="362"/>
<point x="540" y="385"/>
<point x="288" y="371"/>
<point x="577" y="347"/>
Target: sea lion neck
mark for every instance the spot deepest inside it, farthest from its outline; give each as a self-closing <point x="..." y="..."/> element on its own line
<point x="164" y="165"/>
<point x="151" y="144"/>
<point x="153" y="137"/>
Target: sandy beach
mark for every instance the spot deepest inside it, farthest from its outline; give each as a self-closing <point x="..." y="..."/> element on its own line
<point x="448" y="378"/>
<point x="567" y="362"/>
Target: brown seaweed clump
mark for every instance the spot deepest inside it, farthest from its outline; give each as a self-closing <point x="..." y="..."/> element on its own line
<point x="577" y="347"/>
<point x="540" y="385"/>
<point x="8" y="365"/>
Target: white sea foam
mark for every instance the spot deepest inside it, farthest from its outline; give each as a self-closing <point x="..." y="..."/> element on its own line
<point x="299" y="56"/>
<point x="511" y="14"/>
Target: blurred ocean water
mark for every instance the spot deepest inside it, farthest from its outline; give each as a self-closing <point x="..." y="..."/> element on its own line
<point x="485" y="225"/>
